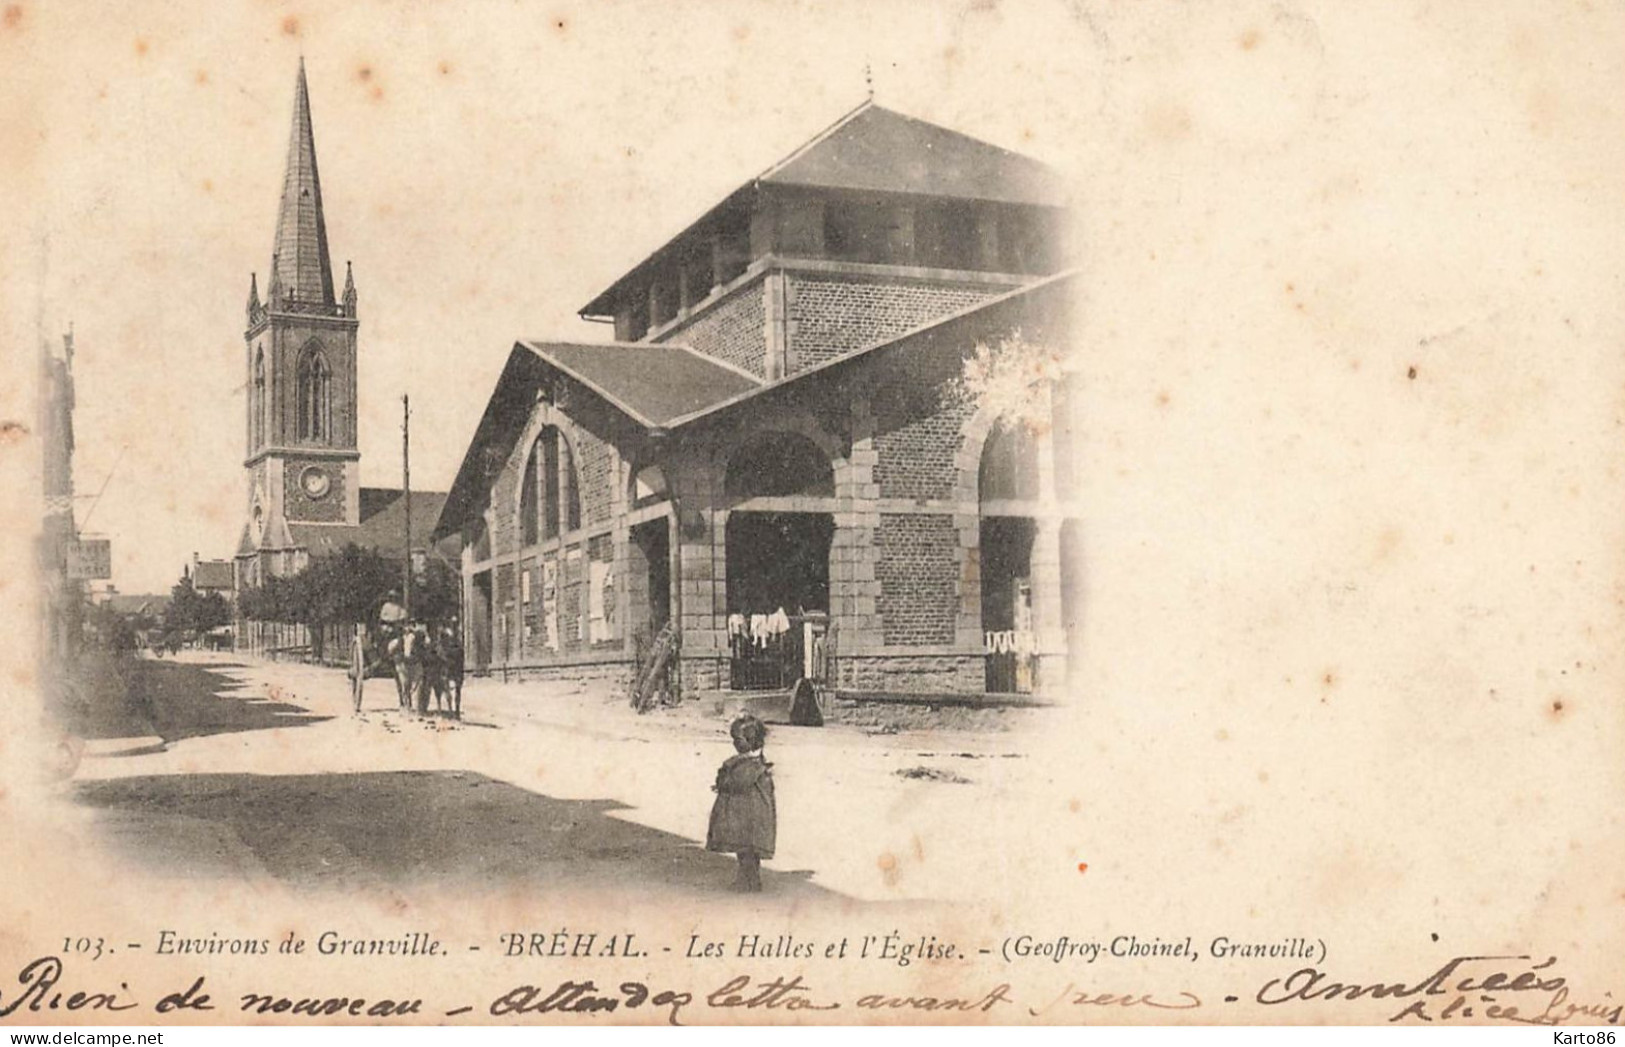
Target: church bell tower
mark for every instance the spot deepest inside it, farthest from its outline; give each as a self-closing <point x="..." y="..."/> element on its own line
<point x="303" y="462"/>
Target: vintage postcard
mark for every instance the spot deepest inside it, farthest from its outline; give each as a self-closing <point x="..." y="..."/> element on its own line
<point x="852" y="513"/>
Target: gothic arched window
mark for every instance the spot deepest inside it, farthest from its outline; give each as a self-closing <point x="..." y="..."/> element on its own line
<point x="315" y="386"/>
<point x="550" y="486"/>
<point x="529" y="519"/>
<point x="256" y="403"/>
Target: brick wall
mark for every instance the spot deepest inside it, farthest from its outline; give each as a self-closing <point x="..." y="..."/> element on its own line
<point x="918" y="575"/>
<point x="916" y="454"/>
<point x="734" y="330"/>
<point x="595" y="470"/>
<point x="830" y="317"/>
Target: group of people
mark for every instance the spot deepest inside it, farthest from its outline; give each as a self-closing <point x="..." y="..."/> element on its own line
<point x="425" y="658"/>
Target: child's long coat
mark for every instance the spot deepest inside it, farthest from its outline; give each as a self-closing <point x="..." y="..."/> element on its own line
<point x="745" y="816"/>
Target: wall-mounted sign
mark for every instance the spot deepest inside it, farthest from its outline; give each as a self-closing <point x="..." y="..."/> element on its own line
<point x="90" y="559"/>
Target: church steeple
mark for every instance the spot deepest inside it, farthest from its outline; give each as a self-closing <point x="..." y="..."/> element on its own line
<point x="301" y="274"/>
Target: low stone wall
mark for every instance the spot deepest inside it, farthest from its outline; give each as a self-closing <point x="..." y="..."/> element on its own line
<point x="619" y="673"/>
<point x="953" y="673"/>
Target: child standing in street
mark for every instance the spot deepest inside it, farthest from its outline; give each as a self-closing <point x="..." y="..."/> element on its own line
<point x="744" y="819"/>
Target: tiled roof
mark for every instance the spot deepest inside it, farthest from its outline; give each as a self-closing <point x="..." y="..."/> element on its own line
<point x="874" y="149"/>
<point x="649" y="382"/>
<point x="214" y="574"/>
<point x="383" y="529"/>
<point x="634" y="379"/>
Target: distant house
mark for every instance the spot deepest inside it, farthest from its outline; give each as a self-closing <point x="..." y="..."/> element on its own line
<point x="214" y="576"/>
<point x="773" y="457"/>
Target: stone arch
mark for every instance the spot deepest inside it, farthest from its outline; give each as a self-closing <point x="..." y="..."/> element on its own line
<point x="831" y="449"/>
<point x="973" y="441"/>
<point x="544" y="417"/>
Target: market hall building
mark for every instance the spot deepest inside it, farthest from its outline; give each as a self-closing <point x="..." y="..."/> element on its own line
<point x="775" y="462"/>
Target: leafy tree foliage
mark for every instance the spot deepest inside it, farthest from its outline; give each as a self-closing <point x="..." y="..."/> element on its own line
<point x="190" y="611"/>
<point x="347" y="587"/>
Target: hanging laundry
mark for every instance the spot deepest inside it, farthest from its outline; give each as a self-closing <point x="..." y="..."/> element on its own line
<point x="736" y="625"/>
<point x="778" y="623"/>
<point x="758" y="629"/>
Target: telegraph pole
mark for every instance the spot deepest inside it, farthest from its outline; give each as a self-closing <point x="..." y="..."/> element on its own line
<point x="406" y="493"/>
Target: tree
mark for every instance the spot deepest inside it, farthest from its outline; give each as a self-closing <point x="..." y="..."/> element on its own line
<point x="1008" y="379"/>
<point x="346" y="588"/>
<point x="182" y="614"/>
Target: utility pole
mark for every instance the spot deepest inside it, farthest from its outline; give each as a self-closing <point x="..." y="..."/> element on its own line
<point x="406" y="493"/>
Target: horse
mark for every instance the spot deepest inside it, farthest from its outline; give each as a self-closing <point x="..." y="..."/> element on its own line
<point x="406" y="652"/>
<point x="443" y="672"/>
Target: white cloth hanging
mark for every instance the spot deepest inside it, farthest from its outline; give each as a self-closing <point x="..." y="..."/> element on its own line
<point x="778" y="623"/>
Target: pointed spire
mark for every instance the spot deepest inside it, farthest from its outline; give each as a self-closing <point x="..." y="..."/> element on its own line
<point x="349" y="289"/>
<point x="300" y="268"/>
<point x="253" y="294"/>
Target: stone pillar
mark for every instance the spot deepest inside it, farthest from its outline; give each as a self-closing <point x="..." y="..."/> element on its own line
<point x="1049" y="621"/>
<point x="854" y="558"/>
<point x="776" y="307"/>
<point x="1049" y="617"/>
<point x="699" y="574"/>
<point x="719" y="262"/>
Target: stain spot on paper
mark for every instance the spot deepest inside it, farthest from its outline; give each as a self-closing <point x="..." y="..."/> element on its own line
<point x="1249" y="40"/>
<point x="1083" y="867"/>
<point x="141" y="47"/>
<point x="887" y="863"/>
<point x="1411" y="373"/>
<point x="11" y="432"/>
<point x="1168" y="122"/>
<point x="13" y="16"/>
<point x="290" y="25"/>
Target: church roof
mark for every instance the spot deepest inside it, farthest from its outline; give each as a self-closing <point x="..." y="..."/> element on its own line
<point x="382" y="527"/>
<point x="299" y="261"/>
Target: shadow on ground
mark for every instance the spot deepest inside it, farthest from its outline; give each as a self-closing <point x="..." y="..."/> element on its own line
<point x="182" y="700"/>
<point x="440" y="828"/>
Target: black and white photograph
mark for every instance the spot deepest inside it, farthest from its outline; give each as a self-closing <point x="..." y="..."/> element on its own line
<point x="963" y="513"/>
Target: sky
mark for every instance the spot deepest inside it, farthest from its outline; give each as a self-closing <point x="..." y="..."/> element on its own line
<point x="1282" y="209"/>
<point x="487" y="169"/>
